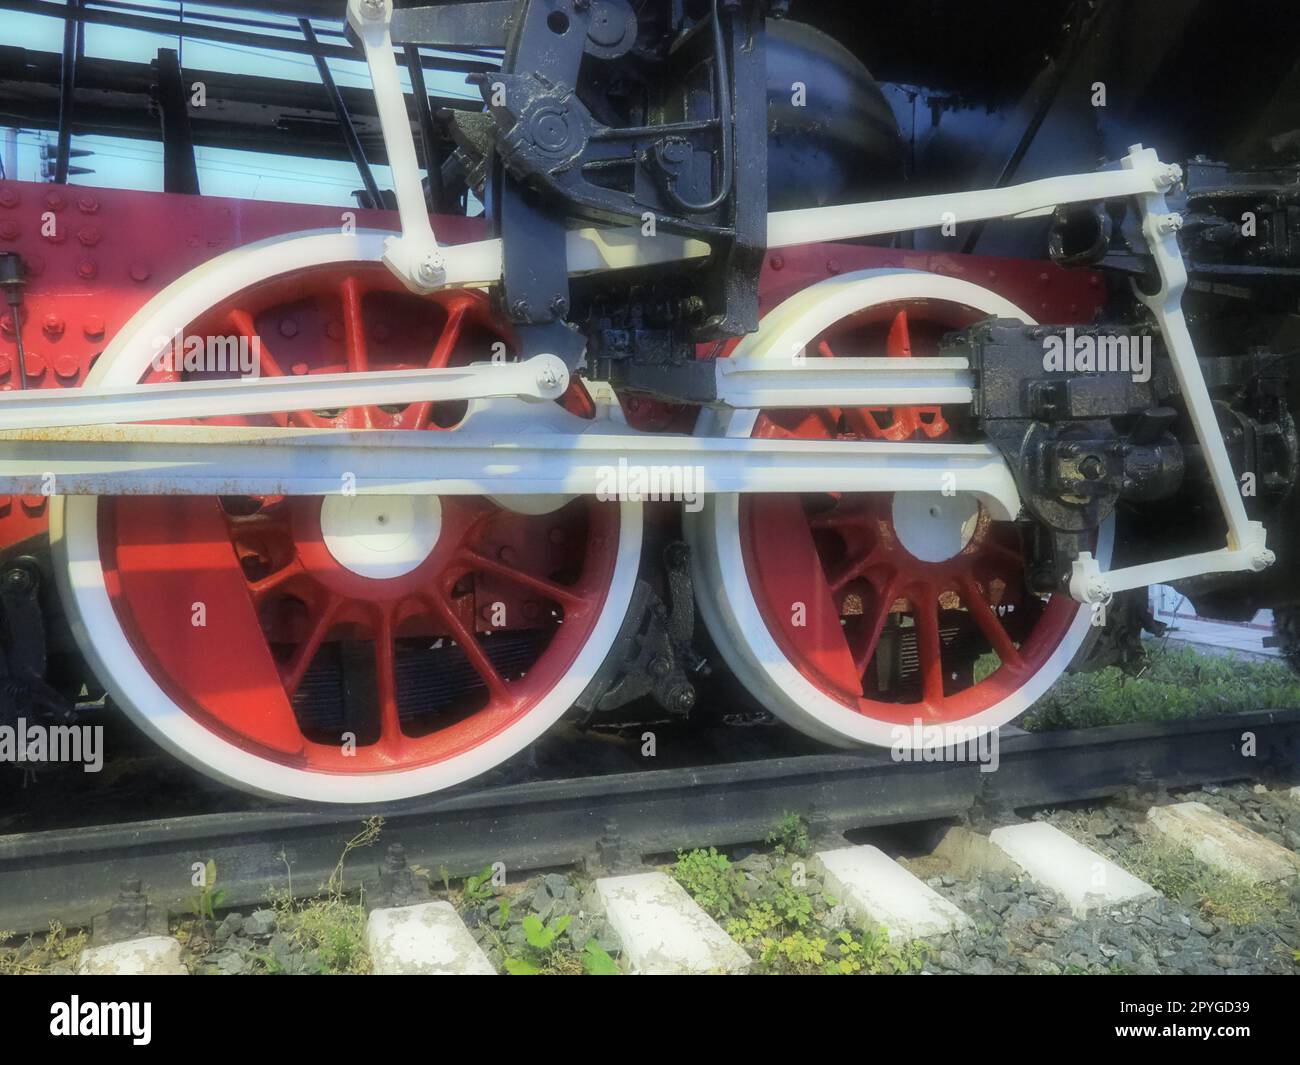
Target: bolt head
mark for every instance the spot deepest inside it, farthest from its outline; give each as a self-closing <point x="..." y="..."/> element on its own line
<point x="17" y="579"/>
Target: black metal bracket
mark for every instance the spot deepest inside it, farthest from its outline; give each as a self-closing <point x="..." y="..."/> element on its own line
<point x="23" y="690"/>
<point x="180" y="173"/>
<point x="653" y="654"/>
<point x="682" y="160"/>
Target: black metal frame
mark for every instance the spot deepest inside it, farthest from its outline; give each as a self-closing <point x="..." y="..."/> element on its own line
<point x="167" y="91"/>
<point x="73" y="42"/>
<point x="346" y="128"/>
<point x="76" y="11"/>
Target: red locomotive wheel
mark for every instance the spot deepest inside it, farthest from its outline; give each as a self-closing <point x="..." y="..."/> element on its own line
<point x="346" y="648"/>
<point x="856" y="617"/>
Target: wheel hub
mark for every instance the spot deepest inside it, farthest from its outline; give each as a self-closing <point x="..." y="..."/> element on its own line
<point x="934" y="527"/>
<point x="380" y="537"/>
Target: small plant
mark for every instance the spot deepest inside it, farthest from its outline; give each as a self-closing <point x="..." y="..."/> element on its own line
<point x="710" y="879"/>
<point x="541" y="952"/>
<point x="792" y="905"/>
<point x="596" y="961"/>
<point x="479" y="888"/>
<point x="210" y="896"/>
<point x="790" y="836"/>
<point x="795" y="953"/>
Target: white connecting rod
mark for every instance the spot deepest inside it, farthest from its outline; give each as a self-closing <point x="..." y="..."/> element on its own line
<point x="600" y="459"/>
<point x="542" y="377"/>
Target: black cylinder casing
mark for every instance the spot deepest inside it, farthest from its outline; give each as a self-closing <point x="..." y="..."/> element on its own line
<point x="842" y="145"/>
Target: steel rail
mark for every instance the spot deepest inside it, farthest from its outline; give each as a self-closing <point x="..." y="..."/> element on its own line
<point x="70" y="875"/>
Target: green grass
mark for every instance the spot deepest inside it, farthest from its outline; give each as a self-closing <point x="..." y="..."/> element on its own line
<point x="1176" y="684"/>
<point x="1177" y="873"/>
<point x="780" y="924"/>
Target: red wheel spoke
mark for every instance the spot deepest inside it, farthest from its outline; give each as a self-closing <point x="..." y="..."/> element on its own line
<point x="989" y="624"/>
<point x="550" y="589"/>
<point x="447" y="342"/>
<point x="247" y="328"/>
<point x="356" y="354"/>
<point x="390" y="723"/>
<point x="879" y="616"/>
<point x="259" y="590"/>
<point x="836" y="518"/>
<point x="496" y="685"/>
<point x="442" y="352"/>
<point x="243" y="322"/>
<point x="306" y="651"/>
<point x="853" y="569"/>
<point x="925" y="607"/>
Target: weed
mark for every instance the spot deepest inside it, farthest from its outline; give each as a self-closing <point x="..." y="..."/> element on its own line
<point x="479" y="888"/>
<point x="330" y="929"/>
<point x="790" y="836"/>
<point x="542" y="951"/>
<point x="210" y="896"/>
<point x="596" y="961"/>
<point x="777" y="922"/>
<point x="36" y="956"/>
<point x="710" y="879"/>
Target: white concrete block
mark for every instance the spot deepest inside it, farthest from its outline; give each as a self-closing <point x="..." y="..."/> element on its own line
<point x="1220" y="842"/>
<point x="428" y="940"/>
<point x="663" y="931"/>
<point x="1295" y="793"/>
<point x="147" y="956"/>
<point x="876" y="889"/>
<point x="1085" y="879"/>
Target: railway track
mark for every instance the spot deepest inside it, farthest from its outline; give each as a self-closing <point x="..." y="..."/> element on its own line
<point x="612" y="820"/>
